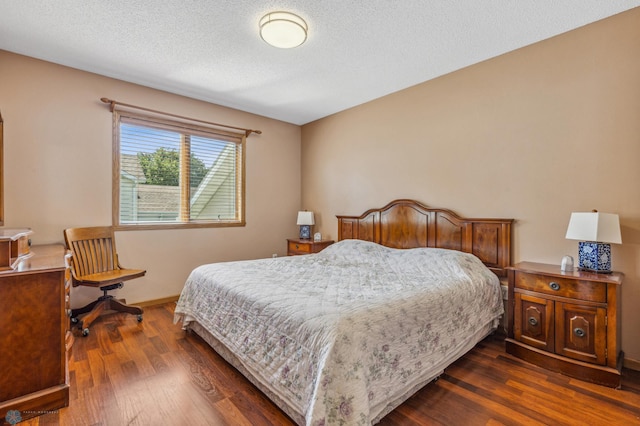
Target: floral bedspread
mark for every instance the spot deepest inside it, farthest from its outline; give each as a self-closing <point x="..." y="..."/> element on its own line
<point x="339" y="334"/>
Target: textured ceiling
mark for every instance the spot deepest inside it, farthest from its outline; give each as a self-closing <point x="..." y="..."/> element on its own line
<point x="356" y="51"/>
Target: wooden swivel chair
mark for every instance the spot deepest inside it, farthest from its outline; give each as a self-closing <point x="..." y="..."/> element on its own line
<point x="94" y="263"/>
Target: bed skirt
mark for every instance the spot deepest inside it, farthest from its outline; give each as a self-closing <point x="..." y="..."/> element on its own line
<point x="299" y="418"/>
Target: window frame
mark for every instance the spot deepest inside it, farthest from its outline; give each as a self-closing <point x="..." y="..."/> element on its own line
<point x="182" y="126"/>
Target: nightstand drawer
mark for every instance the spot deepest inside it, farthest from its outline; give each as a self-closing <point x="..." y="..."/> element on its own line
<point x="299" y="248"/>
<point x="563" y="287"/>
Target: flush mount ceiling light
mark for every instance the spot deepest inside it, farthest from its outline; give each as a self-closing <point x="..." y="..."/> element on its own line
<point x="283" y="29"/>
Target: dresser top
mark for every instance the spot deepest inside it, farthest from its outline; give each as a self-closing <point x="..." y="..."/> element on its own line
<point x="42" y="258"/>
<point x="14" y="234"/>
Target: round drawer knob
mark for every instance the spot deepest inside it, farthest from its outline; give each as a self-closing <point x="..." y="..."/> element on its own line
<point x="297" y="246"/>
<point x="554" y="286"/>
<point x="533" y="321"/>
<point x="579" y="332"/>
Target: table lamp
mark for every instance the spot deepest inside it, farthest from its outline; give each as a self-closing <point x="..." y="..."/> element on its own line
<point x="305" y="220"/>
<point x="595" y="231"/>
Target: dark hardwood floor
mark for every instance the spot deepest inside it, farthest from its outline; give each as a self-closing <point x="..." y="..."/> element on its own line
<point x="152" y="373"/>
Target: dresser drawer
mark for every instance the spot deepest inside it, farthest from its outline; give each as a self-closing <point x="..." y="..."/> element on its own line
<point x="68" y="341"/>
<point x="299" y="248"/>
<point x="563" y="287"/>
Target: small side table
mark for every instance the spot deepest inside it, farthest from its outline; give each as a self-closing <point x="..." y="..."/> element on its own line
<point x="568" y="322"/>
<point x="296" y="246"/>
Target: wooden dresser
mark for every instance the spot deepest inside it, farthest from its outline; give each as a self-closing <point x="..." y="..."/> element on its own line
<point x="567" y="322"/>
<point x="35" y="339"/>
<point x="296" y="246"/>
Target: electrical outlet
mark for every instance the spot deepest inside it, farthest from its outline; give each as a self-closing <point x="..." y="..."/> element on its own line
<point x="505" y="292"/>
<point x="274" y="255"/>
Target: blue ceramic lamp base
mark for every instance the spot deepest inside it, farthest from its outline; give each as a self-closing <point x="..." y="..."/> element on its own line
<point x="594" y="257"/>
<point x="305" y="232"/>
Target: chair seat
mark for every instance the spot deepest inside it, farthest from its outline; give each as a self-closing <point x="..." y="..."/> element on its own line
<point x="109" y="277"/>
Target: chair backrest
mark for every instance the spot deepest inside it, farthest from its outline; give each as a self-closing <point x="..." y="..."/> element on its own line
<point x="93" y="249"/>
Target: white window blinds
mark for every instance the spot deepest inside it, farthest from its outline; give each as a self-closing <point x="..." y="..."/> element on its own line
<point x="176" y="173"/>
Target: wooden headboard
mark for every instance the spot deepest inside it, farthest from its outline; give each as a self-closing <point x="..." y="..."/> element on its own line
<point x="410" y="224"/>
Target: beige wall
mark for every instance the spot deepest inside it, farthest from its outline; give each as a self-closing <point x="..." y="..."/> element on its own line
<point x="58" y="154"/>
<point x="532" y="135"/>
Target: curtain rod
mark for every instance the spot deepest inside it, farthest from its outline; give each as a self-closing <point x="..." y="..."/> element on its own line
<point x="113" y="103"/>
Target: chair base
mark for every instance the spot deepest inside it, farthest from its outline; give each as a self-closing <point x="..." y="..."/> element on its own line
<point x="97" y="307"/>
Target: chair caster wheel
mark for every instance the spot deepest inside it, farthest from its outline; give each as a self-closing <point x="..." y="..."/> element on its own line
<point x="74" y="320"/>
<point x="85" y="332"/>
<point x="139" y="318"/>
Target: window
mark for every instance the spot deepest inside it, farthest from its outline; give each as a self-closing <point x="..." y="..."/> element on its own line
<point x="170" y="174"/>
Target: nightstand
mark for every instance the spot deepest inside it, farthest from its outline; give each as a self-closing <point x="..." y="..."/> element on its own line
<point x="297" y="246"/>
<point x="568" y="322"/>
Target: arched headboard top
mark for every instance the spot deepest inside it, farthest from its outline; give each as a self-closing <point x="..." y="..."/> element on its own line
<point x="410" y="224"/>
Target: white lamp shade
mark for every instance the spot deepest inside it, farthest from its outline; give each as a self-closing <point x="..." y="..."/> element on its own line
<point x="283" y="29"/>
<point x="594" y="226"/>
<point x="306" y="218"/>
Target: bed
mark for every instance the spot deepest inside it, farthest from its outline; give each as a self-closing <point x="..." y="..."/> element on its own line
<point x="346" y="335"/>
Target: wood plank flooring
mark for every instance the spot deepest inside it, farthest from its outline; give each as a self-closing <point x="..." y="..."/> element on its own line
<point x="152" y="373"/>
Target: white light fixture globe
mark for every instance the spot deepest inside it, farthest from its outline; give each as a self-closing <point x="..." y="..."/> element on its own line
<point x="283" y="29"/>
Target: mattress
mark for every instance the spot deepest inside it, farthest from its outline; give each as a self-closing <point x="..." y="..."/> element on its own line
<point x="345" y="335"/>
